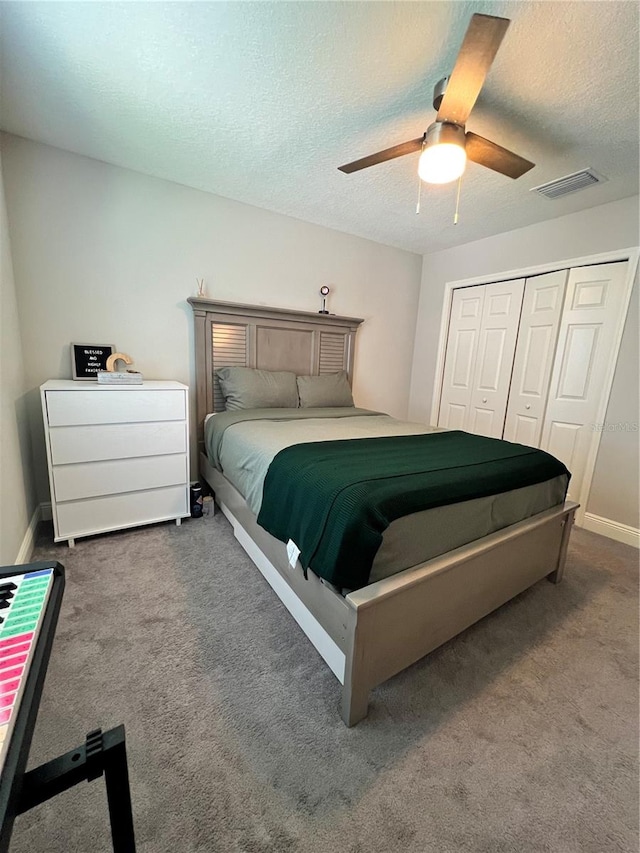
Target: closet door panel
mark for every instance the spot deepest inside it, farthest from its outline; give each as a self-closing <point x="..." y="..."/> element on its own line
<point x="535" y="351"/>
<point x="453" y="416"/>
<point x="593" y="310"/>
<point x="482" y="421"/>
<point x="563" y="441"/>
<point x="496" y="347"/>
<point x="460" y="357"/>
<point x="523" y="430"/>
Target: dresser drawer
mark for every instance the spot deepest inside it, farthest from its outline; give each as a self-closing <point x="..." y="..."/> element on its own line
<point x="81" y="518"/>
<point x="91" y="479"/>
<point x="116" y="441"/>
<point x="112" y="406"/>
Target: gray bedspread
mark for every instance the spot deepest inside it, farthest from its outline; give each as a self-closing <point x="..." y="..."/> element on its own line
<point x="241" y="444"/>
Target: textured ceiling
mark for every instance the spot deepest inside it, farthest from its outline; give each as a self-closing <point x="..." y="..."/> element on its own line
<point x="261" y="102"/>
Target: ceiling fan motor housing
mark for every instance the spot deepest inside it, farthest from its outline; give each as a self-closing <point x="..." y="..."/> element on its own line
<point x="445" y="132"/>
<point x="438" y="92"/>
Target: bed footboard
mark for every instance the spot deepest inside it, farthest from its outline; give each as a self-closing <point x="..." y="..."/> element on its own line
<point x="377" y="631"/>
<point x="397" y="621"/>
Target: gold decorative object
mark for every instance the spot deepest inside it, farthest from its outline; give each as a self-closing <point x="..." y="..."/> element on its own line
<point x="117" y="356"/>
<point x="113" y="376"/>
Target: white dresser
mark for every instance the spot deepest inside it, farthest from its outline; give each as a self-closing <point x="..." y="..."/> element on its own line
<point x="118" y="455"/>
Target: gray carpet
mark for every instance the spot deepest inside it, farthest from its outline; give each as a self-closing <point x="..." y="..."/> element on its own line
<point x="519" y="735"/>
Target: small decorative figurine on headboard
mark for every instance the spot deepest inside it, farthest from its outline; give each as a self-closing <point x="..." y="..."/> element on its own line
<point x="324" y="292"/>
<point x="200" y="283"/>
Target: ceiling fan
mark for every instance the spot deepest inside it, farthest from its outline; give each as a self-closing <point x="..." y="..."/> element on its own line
<point x="446" y="145"/>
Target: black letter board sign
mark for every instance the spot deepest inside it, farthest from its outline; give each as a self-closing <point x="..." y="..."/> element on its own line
<point x="88" y="359"/>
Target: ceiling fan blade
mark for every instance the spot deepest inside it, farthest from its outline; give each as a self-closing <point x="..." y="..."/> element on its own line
<point x="382" y="156"/>
<point x="495" y="157"/>
<point x="479" y="47"/>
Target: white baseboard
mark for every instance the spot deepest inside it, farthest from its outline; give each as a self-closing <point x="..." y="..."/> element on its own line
<point x="45" y="511"/>
<point x="613" y="529"/>
<point x="29" y="541"/>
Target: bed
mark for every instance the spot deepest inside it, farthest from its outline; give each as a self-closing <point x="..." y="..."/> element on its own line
<point x="368" y="634"/>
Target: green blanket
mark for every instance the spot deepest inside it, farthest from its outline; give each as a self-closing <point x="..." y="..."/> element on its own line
<point x="335" y="499"/>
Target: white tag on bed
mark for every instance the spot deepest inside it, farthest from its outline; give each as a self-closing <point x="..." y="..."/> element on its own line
<point x="293" y="552"/>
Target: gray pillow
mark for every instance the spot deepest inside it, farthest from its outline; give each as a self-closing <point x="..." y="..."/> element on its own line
<point x="246" y="388"/>
<point x="330" y="389"/>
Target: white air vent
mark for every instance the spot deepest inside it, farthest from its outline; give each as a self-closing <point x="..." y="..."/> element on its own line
<point x="570" y="183"/>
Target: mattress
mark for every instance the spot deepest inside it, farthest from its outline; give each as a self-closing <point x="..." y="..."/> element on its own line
<point x="242" y="444"/>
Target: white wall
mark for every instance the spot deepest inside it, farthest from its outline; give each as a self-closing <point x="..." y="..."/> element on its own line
<point x="17" y="492"/>
<point x="106" y="255"/>
<point x="614" y="492"/>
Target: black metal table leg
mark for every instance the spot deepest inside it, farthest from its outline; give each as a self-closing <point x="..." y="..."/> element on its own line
<point x="102" y="753"/>
<point x="116" y="777"/>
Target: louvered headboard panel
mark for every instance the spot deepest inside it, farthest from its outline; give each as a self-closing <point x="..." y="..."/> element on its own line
<point x="332" y="352"/>
<point x="228" y="347"/>
<point x="228" y="334"/>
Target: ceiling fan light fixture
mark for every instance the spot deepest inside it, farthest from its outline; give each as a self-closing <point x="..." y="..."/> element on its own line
<point x="444" y="157"/>
<point x="442" y="163"/>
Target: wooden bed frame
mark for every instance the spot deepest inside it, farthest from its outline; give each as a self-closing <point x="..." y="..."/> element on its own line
<point x="375" y="632"/>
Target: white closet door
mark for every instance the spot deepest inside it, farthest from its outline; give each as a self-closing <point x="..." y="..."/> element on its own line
<point x="593" y="310"/>
<point x="460" y="357"/>
<point x="535" y="350"/>
<point x="494" y="363"/>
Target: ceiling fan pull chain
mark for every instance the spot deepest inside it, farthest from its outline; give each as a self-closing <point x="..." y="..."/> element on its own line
<point x="455" y="218"/>
<point x="424" y="142"/>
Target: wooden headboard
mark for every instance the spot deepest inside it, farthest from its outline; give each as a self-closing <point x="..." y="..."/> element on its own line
<point x="227" y="333"/>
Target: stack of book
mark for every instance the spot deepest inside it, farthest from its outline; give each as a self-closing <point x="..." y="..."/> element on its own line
<point x="125" y="377"/>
